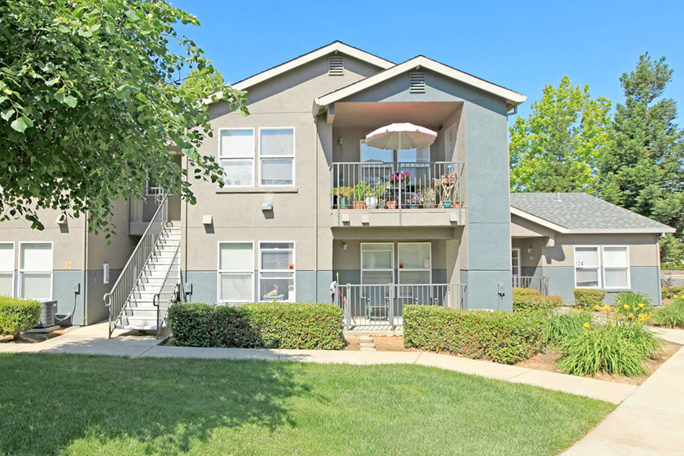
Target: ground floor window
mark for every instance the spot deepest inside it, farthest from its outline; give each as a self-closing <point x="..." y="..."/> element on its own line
<point x="35" y="270"/>
<point x="604" y="267"/>
<point x="415" y="262"/>
<point x="277" y="271"/>
<point x="7" y="269"/>
<point x="515" y="262"/>
<point x="236" y="272"/>
<point x="377" y="263"/>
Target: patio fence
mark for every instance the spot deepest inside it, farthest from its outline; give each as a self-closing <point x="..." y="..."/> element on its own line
<point x="382" y="305"/>
<point x="541" y="284"/>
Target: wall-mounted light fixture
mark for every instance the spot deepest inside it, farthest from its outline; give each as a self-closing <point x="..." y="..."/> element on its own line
<point x="344" y="245"/>
<point x="105" y="273"/>
<point x="207" y="219"/>
<point x="266" y="207"/>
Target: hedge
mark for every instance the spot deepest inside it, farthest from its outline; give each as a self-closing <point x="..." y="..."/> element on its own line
<point x="673" y="291"/>
<point x="18" y="315"/>
<point x="498" y="336"/>
<point x="523" y="301"/>
<point x="588" y="297"/>
<point x="261" y="325"/>
<point x="525" y="292"/>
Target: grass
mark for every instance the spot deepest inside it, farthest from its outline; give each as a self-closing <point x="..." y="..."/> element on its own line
<point x="82" y="405"/>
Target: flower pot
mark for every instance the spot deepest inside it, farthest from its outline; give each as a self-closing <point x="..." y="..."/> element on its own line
<point x="344" y="203"/>
<point x="371" y="202"/>
<point x="359" y="205"/>
<point x="429" y="205"/>
<point x="381" y="204"/>
<point x="391" y="204"/>
<point x="456" y="204"/>
<point x="446" y="204"/>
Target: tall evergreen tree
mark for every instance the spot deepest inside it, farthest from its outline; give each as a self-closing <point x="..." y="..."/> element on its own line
<point x="642" y="169"/>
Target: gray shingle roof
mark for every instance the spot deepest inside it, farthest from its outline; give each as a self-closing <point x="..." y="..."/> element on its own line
<point x="581" y="212"/>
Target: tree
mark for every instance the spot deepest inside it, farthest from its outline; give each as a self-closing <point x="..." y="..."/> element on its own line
<point x="642" y="168"/>
<point x="89" y="105"/>
<point x="557" y="148"/>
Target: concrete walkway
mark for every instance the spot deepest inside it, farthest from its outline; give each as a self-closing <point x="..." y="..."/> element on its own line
<point x="92" y="340"/>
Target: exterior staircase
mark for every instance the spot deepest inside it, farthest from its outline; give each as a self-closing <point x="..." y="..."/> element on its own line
<point x="155" y="287"/>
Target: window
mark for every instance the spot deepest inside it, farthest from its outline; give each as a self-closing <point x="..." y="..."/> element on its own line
<point x="515" y="262"/>
<point x="236" y="155"/>
<point x="235" y="272"/>
<point x="415" y="263"/>
<point x="587" y="267"/>
<point x="276" y="153"/>
<point x="35" y="270"/>
<point x="277" y="271"/>
<point x="616" y="267"/>
<point x="377" y="263"/>
<point x="7" y="269"/>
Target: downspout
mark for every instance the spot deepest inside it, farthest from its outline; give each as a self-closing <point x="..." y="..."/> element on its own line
<point x="316" y="209"/>
<point x="85" y="270"/>
<point x="184" y="239"/>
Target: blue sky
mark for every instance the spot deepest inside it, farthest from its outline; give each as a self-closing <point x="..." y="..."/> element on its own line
<point x="521" y="45"/>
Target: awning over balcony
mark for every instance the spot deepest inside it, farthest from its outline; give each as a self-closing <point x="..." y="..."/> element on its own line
<point x="372" y="115"/>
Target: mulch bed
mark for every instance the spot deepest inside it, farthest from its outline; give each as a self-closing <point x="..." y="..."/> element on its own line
<point x="32" y="338"/>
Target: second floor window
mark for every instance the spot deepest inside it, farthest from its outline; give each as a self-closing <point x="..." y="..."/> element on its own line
<point x="236" y="155"/>
<point x="276" y="155"/>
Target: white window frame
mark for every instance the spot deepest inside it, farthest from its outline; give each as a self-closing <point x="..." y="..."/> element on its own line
<point x="14" y="253"/>
<point x="599" y="269"/>
<point x="22" y="271"/>
<point x="392" y="261"/>
<point x="220" y="271"/>
<point x="518" y="273"/>
<point x="627" y="268"/>
<point x="293" y="270"/>
<point x="399" y="269"/>
<point x="276" y="157"/>
<point x="221" y="157"/>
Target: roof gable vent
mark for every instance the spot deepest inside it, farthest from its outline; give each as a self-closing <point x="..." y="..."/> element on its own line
<point x="416" y="82"/>
<point x="335" y="65"/>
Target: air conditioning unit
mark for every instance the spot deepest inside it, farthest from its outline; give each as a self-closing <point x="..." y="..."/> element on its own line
<point x="47" y="314"/>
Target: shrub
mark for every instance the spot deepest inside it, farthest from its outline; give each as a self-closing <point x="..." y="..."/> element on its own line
<point x="499" y="336"/>
<point x="18" y="315"/>
<point x="267" y="325"/>
<point x="633" y="306"/>
<point x="525" y="292"/>
<point x="588" y="297"/>
<point x="673" y="291"/>
<point x="617" y="349"/>
<point x="524" y="302"/>
<point x="671" y="315"/>
<point x="560" y="327"/>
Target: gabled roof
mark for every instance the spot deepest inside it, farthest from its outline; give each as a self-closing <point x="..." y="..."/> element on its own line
<point x="580" y="213"/>
<point x="512" y="98"/>
<point x="335" y="46"/>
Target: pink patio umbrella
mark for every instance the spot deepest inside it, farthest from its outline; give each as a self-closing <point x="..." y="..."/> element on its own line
<point x="401" y="136"/>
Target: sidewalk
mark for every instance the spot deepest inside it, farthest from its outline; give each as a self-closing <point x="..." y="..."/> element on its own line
<point x="92" y="340"/>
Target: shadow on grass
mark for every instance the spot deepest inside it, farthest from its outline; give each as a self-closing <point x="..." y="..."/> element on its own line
<point x="48" y="402"/>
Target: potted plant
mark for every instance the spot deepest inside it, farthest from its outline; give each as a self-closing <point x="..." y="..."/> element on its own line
<point x="391" y="204"/>
<point x="343" y="194"/>
<point x="400" y="177"/>
<point x="376" y="197"/>
<point x="359" y="192"/>
<point x="428" y="198"/>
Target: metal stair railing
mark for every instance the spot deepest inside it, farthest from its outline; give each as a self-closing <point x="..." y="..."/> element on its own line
<point x="156" y="299"/>
<point x="117" y="297"/>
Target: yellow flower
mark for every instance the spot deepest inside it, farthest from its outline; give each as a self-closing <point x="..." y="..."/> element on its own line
<point x="642" y="305"/>
<point x="643" y="317"/>
<point x="626" y="306"/>
<point x="587" y="325"/>
<point x="597" y="307"/>
<point x="612" y="323"/>
<point x="606" y="307"/>
<point x="631" y="315"/>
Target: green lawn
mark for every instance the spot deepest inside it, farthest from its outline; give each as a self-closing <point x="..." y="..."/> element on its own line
<point x="70" y="404"/>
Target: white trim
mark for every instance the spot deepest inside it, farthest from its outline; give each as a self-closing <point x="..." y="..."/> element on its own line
<point x="429" y="270"/>
<point x="628" y="268"/>
<point x="599" y="274"/>
<point x="51" y="271"/>
<point x="517" y="250"/>
<point x="293" y="271"/>
<point x="564" y="230"/>
<point x="275" y="157"/>
<point x="337" y="46"/>
<point x="392" y="261"/>
<point x="513" y="98"/>
<point x="14" y="264"/>
<point x="253" y="157"/>
<point x="219" y="271"/>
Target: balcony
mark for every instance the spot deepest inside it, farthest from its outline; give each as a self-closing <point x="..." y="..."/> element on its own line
<point x="382" y="191"/>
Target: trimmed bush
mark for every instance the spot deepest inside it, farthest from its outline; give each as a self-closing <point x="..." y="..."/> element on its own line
<point x="18" y="315"/>
<point x="261" y="325"/>
<point x="525" y="292"/>
<point x="498" y="336"/>
<point x="617" y="349"/>
<point x="525" y="302"/>
<point x="671" y="315"/>
<point x="588" y="297"/>
<point x="673" y="291"/>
